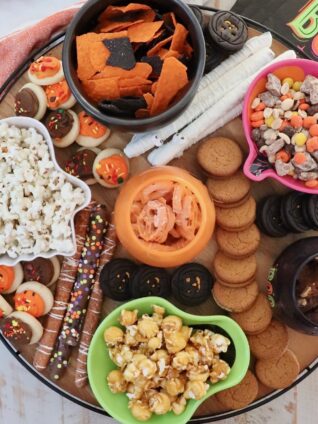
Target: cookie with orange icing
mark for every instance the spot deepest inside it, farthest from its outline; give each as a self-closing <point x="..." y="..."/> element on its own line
<point x="59" y="95"/>
<point x="10" y="278"/>
<point x="21" y="328"/>
<point x="92" y="133"/>
<point x="46" y="70"/>
<point x="34" y="298"/>
<point x="5" y="308"/>
<point x="111" y="168"/>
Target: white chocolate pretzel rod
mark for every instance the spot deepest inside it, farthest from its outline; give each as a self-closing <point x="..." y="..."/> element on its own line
<point x="76" y="310"/>
<point x="220" y="113"/>
<point x="62" y="293"/>
<point x="213" y="86"/>
<point x="94" y="308"/>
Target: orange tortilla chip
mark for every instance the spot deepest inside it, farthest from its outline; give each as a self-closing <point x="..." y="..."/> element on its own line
<point x="164" y="53"/>
<point x="98" y="55"/>
<point x="112" y="35"/>
<point x="142" y="113"/>
<point x="157" y="47"/>
<point x="172" y="79"/>
<point x="154" y="87"/>
<point x="141" y="69"/>
<point x="85" y="69"/>
<point x="116" y="26"/>
<point x="134" y="81"/>
<point x="135" y="91"/>
<point x="101" y="89"/>
<point x="179" y="38"/>
<point x="143" y="32"/>
<point x="149" y="99"/>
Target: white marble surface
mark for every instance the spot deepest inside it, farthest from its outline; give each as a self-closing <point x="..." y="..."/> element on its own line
<point x="24" y="400"/>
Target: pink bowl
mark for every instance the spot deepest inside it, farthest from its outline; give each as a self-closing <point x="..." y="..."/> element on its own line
<point x="256" y="167"/>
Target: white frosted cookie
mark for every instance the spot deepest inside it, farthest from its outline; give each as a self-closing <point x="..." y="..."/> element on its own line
<point x="46" y="70"/>
<point x="30" y="101"/>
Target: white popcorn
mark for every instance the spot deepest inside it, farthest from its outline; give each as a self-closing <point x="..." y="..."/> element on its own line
<point x="37" y="202"/>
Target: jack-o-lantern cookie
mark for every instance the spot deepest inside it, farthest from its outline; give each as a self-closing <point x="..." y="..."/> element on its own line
<point x="21" y="328"/>
<point x="46" y="70"/>
<point x="34" y="298"/>
<point x="111" y="168"/>
<point x="59" y="95"/>
<point x="10" y="278"/>
<point x="91" y="133"/>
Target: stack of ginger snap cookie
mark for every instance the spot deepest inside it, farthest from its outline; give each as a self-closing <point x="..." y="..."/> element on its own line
<point x="236" y="289"/>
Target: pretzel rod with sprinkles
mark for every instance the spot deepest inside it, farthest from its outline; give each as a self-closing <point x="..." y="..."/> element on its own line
<point x="94" y="308"/>
<point x="63" y="292"/>
<point x="76" y="309"/>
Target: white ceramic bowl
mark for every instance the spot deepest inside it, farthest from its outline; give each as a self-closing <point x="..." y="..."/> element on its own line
<point x="24" y="122"/>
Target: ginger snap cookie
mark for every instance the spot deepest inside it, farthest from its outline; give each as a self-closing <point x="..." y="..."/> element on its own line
<point x="241" y="395"/>
<point x="238" y="244"/>
<point x="257" y="318"/>
<point x="234" y="272"/>
<point x="278" y="373"/>
<point x="235" y="299"/>
<point x="230" y="191"/>
<point x="220" y="156"/>
<point x="238" y="218"/>
<point x="271" y="343"/>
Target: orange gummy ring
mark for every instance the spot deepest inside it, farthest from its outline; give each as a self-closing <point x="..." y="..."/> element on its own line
<point x="6" y="277"/>
<point x="29" y="301"/>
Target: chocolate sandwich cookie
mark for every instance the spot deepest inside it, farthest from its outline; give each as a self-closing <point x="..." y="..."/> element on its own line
<point x="310" y="211"/>
<point x="268" y="217"/>
<point x="228" y="30"/>
<point x="116" y="277"/>
<point x="292" y="206"/>
<point x="150" y="281"/>
<point x="191" y="284"/>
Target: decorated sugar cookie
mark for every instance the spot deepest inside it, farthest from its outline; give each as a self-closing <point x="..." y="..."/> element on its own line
<point x="21" y="328"/>
<point x="92" y="133"/>
<point x="80" y="165"/>
<point x="45" y="271"/>
<point x="10" y="278"/>
<point x="46" y="70"/>
<point x="5" y="308"/>
<point x="59" y="95"/>
<point x="63" y="126"/>
<point x="30" y="101"/>
<point x="34" y="298"/>
<point x="111" y="168"/>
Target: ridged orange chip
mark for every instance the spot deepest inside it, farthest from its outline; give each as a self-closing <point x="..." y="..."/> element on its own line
<point x="144" y="32"/>
<point x="141" y="69"/>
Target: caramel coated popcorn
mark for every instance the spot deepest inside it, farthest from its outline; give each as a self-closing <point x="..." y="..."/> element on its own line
<point x="163" y="363"/>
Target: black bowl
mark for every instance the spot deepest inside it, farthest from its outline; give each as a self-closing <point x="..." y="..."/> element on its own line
<point x="282" y="282"/>
<point x="85" y="20"/>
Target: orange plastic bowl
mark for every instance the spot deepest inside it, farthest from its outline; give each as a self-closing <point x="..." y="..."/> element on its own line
<point x="137" y="247"/>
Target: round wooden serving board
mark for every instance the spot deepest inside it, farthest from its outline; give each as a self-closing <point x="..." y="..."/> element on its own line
<point x="305" y="347"/>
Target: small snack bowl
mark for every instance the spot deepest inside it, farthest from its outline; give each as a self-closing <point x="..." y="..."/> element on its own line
<point x="147" y="248"/>
<point x="100" y="363"/>
<point x="25" y="122"/>
<point x="85" y="21"/>
<point x="256" y="166"/>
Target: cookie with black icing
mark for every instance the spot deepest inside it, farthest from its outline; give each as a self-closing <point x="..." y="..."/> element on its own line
<point x="150" y="281"/>
<point x="228" y="30"/>
<point x="268" y="217"/>
<point x="292" y="206"/>
<point x="116" y="277"/>
<point x="191" y="284"/>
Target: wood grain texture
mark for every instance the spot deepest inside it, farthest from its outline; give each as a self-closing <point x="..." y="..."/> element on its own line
<point x="23" y="399"/>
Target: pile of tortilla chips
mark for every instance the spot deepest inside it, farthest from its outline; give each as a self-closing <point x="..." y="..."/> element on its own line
<point x="135" y="64"/>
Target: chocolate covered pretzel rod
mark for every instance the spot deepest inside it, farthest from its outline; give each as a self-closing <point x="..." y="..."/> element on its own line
<point x="94" y="308"/>
<point x="76" y="309"/>
<point x="62" y="293"/>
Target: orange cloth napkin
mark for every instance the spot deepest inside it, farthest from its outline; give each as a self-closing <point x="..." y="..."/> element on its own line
<point x="16" y="47"/>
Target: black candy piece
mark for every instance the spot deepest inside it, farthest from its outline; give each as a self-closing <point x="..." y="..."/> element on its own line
<point x="156" y="63"/>
<point x="115" y="278"/>
<point x="311" y="211"/>
<point x="150" y="281"/>
<point x="268" y="217"/>
<point x="292" y="206"/>
<point x="123" y="106"/>
<point x="228" y="30"/>
<point x="121" y="53"/>
<point x="191" y="284"/>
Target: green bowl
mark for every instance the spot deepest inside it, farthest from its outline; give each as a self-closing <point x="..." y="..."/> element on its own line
<point x="100" y="364"/>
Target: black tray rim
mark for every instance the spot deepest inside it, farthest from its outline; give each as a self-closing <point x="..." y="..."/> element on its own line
<point x="202" y="419"/>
